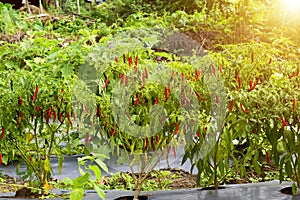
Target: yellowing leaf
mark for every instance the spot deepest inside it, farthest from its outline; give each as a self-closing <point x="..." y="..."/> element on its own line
<point x="46" y="187"/>
<point x="47" y="165"/>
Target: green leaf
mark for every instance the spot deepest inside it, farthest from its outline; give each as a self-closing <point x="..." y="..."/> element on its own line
<point x="101" y="164"/>
<point x="79" y="181"/>
<point x="288" y="168"/>
<point x="67" y="70"/>
<point x="97" y="171"/>
<point x="77" y="194"/>
<point x="99" y="191"/>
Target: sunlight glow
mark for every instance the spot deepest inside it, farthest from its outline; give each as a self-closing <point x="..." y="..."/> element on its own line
<point x="291" y="5"/>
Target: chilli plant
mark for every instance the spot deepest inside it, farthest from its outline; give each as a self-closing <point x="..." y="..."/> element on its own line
<point x="35" y="118"/>
<point x="135" y="107"/>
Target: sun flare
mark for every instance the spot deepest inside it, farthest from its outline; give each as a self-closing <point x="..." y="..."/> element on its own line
<point x="291" y="5"/>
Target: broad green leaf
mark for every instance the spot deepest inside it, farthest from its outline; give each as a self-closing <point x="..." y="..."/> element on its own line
<point x="96" y="170"/>
<point x="77" y="194"/>
<point x="101" y="164"/>
<point x="79" y="181"/>
<point x="99" y="191"/>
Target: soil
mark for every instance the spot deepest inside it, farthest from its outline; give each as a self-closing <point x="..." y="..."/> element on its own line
<point x="181" y="179"/>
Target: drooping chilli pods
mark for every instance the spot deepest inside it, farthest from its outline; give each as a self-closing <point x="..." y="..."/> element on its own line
<point x="197" y="74"/>
<point x="231" y="105"/>
<point x="252" y="84"/>
<point x="156" y="101"/>
<point x="35" y="93"/>
<point x="136" y="101"/>
<point x="99" y="111"/>
<point x="130" y="61"/>
<point x="199" y="96"/>
<point x="176" y="128"/>
<point x="146" y="143"/>
<point x="270" y="61"/>
<point x="221" y="69"/>
<point x="0" y="159"/>
<point x="214" y="71"/>
<point x="106" y="82"/>
<point x="244" y="109"/>
<point x="20" y="101"/>
<point x="284" y="122"/>
<point x="136" y="60"/>
<point x="239" y="81"/>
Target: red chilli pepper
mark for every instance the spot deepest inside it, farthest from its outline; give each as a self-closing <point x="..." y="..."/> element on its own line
<point x="236" y="75"/>
<point x="112" y="132"/>
<point x="270" y="61"/>
<point x="157" y="138"/>
<point x="35" y="93"/>
<point x="166" y="94"/>
<point x="146" y="143"/>
<point x="21" y="115"/>
<point x="20" y="102"/>
<point x="117" y="60"/>
<point x="0" y="159"/>
<point x="19" y="123"/>
<point x="218" y="101"/>
<point x="243" y="109"/>
<point x="126" y="81"/>
<point x="221" y="69"/>
<point x="98" y="111"/>
<point x="2" y="133"/>
<point x="156" y="101"/>
<point x="186" y="98"/>
<point x="214" y="71"/>
<point x="129" y="61"/>
<point x="182" y="77"/>
<point x="284" y="122"/>
<point x="252" y="85"/>
<point x="136" y="60"/>
<point x="86" y="109"/>
<point x="54" y="115"/>
<point x="267" y="158"/>
<point x="68" y="116"/>
<point x="295" y="73"/>
<point x="106" y="83"/>
<point x="231" y="105"/>
<point x="174" y="150"/>
<point x="197" y="74"/>
<point x="176" y="128"/>
<point x="199" y="96"/>
<point x="122" y="78"/>
<point x="294" y="104"/>
<point x="136" y="101"/>
<point x="60" y="118"/>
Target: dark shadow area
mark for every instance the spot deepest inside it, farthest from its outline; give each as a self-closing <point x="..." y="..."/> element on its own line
<point x="131" y="198"/>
